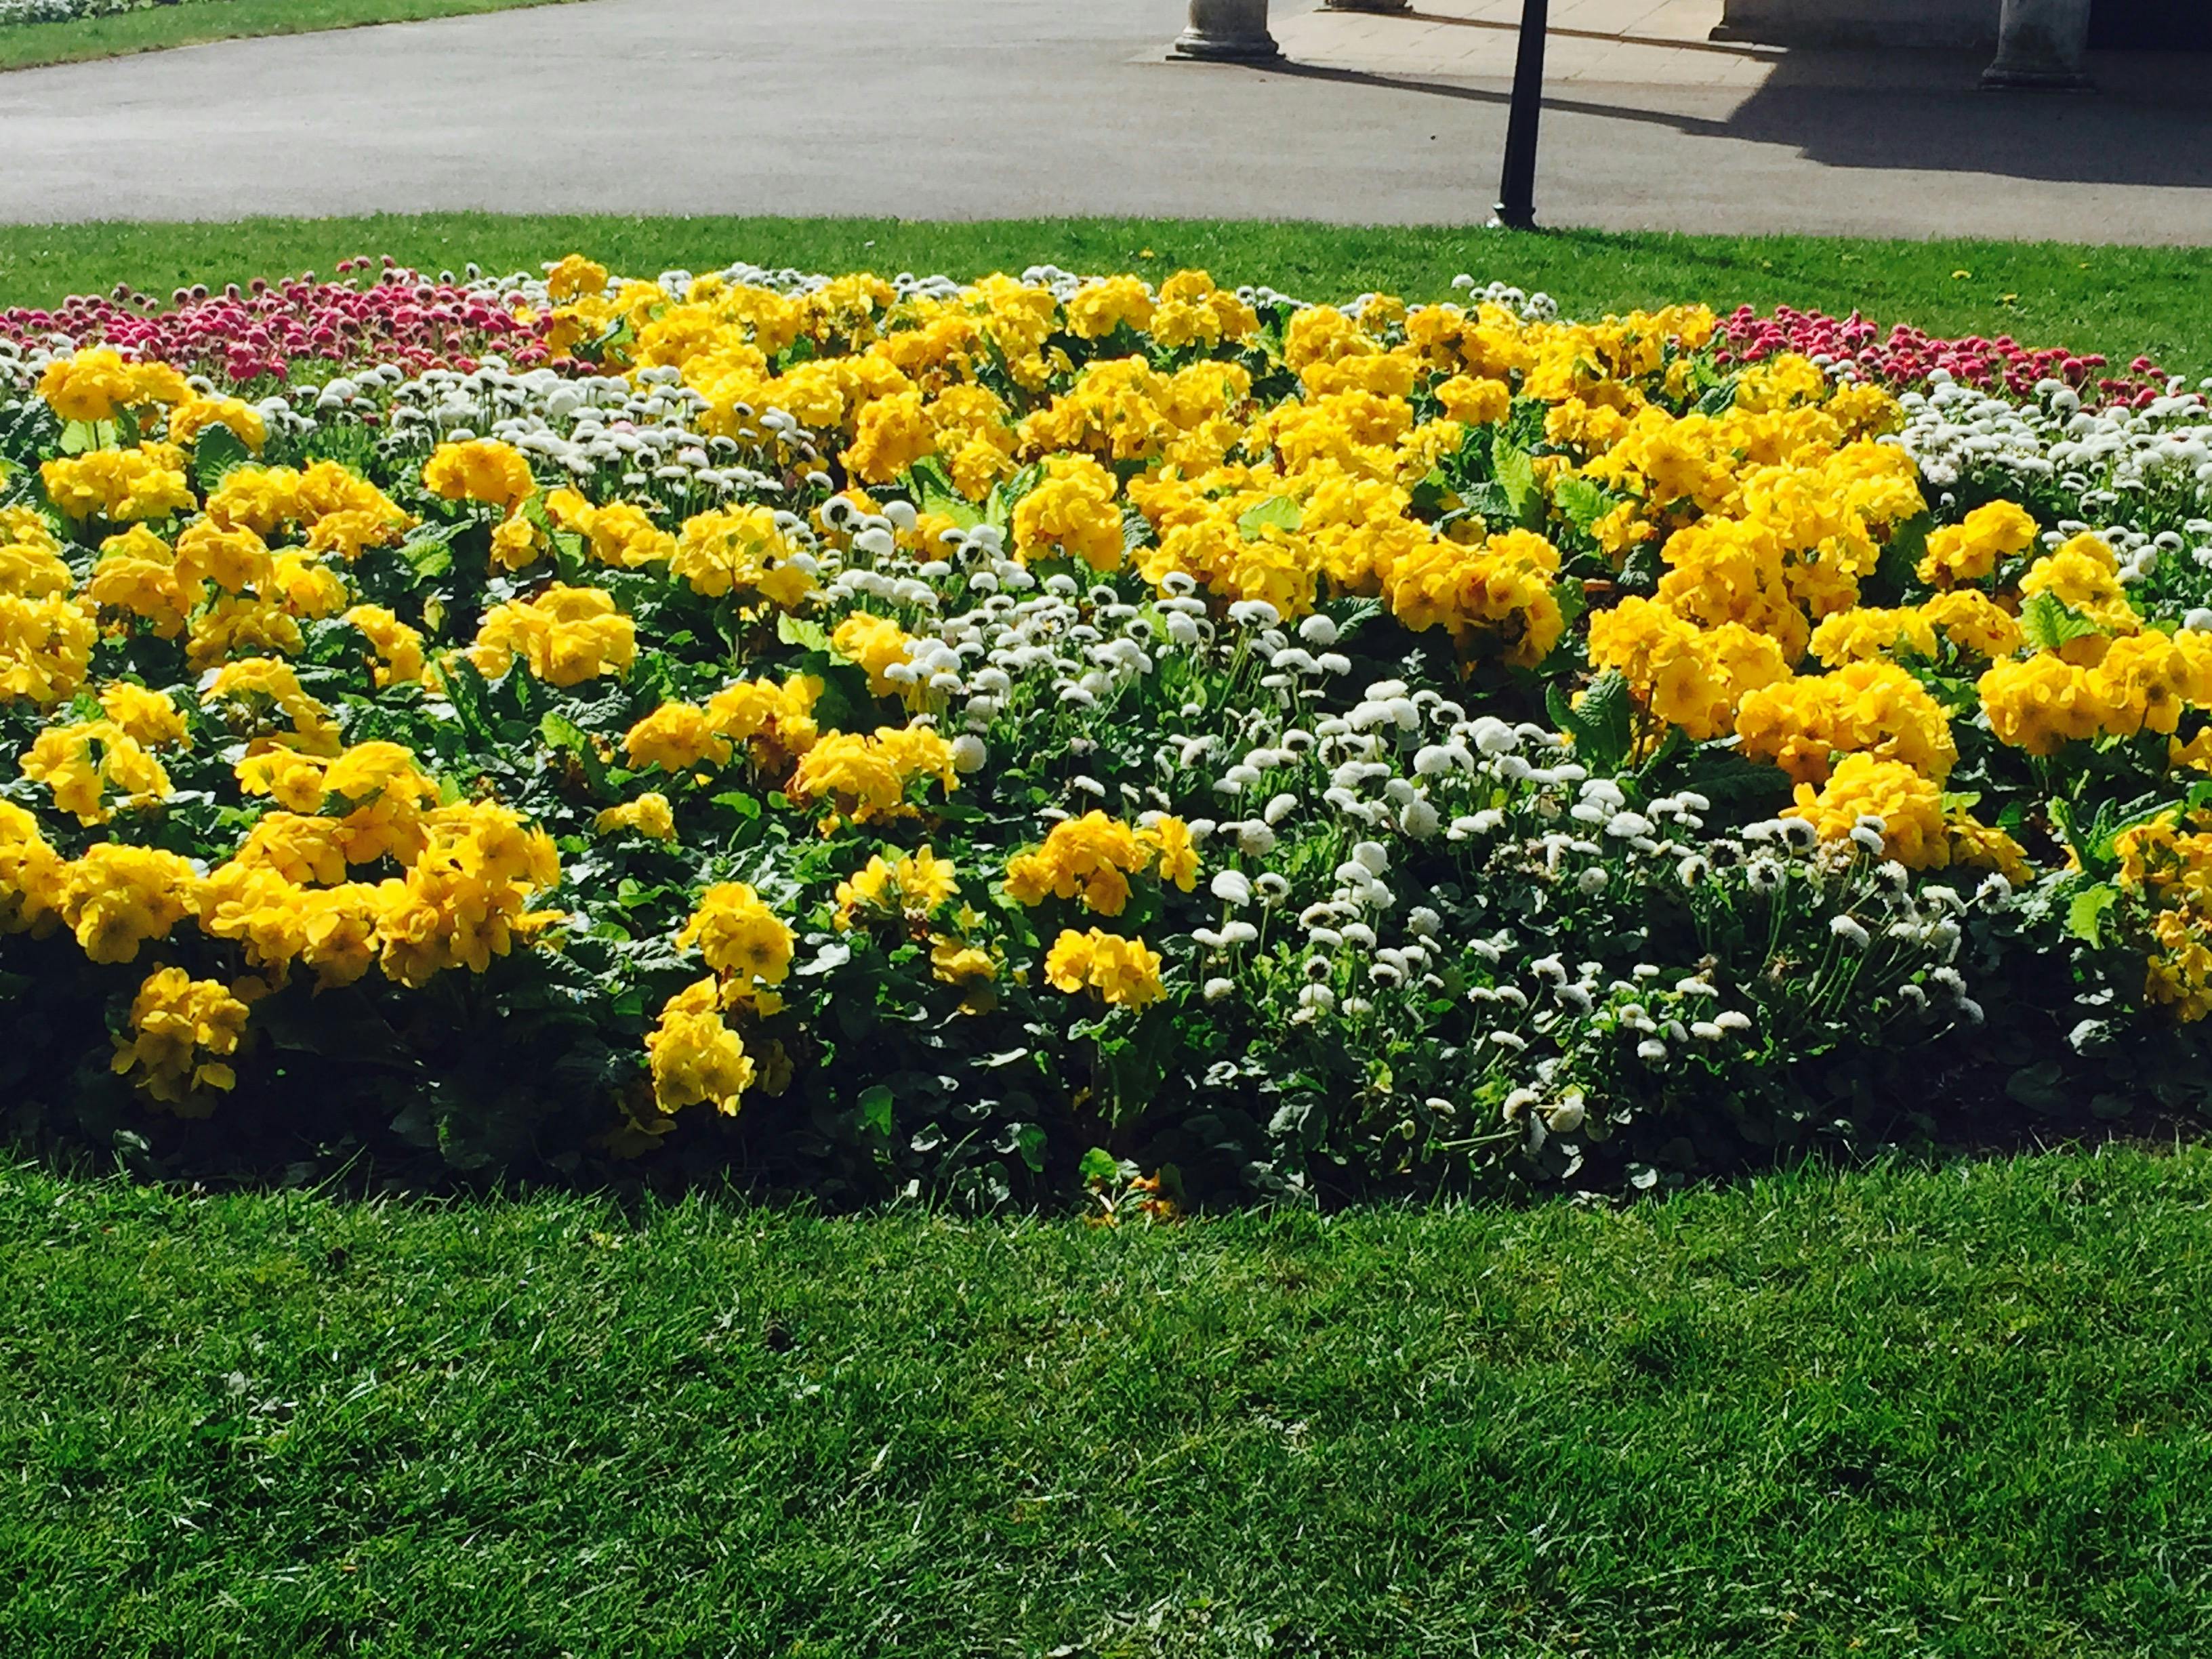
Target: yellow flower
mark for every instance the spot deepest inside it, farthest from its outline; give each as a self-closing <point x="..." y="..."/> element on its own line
<point x="1497" y="595"/>
<point x="46" y="649"/>
<point x="776" y="722"/>
<point x="1072" y="513"/>
<point x="866" y="777"/>
<point x="1974" y="623"/>
<point x="481" y="469"/>
<point x="256" y="690"/>
<point x="30" y="874"/>
<point x="197" y="414"/>
<point x="565" y="635"/>
<point x="2084" y="575"/>
<point x="1909" y="805"/>
<point x="878" y="644"/>
<point x="119" y="485"/>
<point x="398" y="647"/>
<point x="739" y="936"/>
<point x="136" y="574"/>
<point x="1864" y="632"/>
<point x="892" y="434"/>
<point x="1124" y="972"/>
<point x="115" y="898"/>
<point x="97" y="384"/>
<point x="1091" y="857"/>
<point x="1169" y="839"/>
<point x="1865" y="708"/>
<point x="79" y="762"/>
<point x="695" y="1057"/>
<point x="618" y="534"/>
<point x="676" y="737"/>
<point x="649" y="815"/>
<point x="955" y="962"/>
<point x="574" y="278"/>
<point x="1970" y="550"/>
<point x="183" y="1032"/>
<point x="741" y="550"/>
<point x="1686" y="675"/>
<point x="1097" y="308"/>
<point x="145" y="716"/>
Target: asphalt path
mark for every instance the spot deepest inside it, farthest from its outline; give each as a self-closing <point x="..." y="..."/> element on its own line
<point x="999" y="108"/>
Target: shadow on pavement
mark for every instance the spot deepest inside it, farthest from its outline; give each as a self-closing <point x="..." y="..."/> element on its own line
<point x="2148" y="123"/>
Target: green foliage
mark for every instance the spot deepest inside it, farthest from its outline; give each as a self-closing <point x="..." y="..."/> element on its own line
<point x="1897" y="1412"/>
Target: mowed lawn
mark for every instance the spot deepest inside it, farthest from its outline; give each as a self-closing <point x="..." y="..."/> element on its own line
<point x="1903" y="1411"/>
<point x="2119" y="301"/>
<point x="32" y="45"/>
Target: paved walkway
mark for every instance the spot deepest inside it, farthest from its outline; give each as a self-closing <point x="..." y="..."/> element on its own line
<point x="988" y="108"/>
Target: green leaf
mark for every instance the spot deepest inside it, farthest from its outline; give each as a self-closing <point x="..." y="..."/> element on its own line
<point x="1100" y="1166"/>
<point x="217" y="452"/>
<point x="807" y="635"/>
<point x="1900" y="560"/>
<point x="876" y="1108"/>
<point x="428" y="551"/>
<point x="2048" y="624"/>
<point x="2085" y="915"/>
<point x="563" y="733"/>
<point x="1517" y="476"/>
<point x="936" y="493"/>
<point x="1582" y="502"/>
<point x="1602" y="724"/>
<point x="1278" y="511"/>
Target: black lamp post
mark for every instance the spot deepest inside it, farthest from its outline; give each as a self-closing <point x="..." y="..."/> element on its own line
<point x="1516" y="187"/>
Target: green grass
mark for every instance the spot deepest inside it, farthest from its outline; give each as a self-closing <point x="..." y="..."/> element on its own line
<point x="32" y="45"/>
<point x="1957" y="1411"/>
<point x="2117" y="300"/>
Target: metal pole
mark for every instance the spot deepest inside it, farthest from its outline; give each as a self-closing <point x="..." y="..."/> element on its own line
<point x="1516" y="187"/>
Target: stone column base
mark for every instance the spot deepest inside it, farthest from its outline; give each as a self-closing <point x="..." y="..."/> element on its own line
<point x="1227" y="31"/>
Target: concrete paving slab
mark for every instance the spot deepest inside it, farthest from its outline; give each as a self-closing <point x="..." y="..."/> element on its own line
<point x="988" y="108"/>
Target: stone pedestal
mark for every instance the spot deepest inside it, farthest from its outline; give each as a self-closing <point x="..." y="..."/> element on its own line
<point x="2042" y="45"/>
<point x="1231" y="30"/>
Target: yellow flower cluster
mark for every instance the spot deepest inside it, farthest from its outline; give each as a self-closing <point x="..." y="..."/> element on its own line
<point x="81" y="763"/>
<point x="1125" y="973"/>
<point x="1072" y="513"/>
<point x="774" y="722"/>
<point x="1686" y="675"/>
<point x="694" y="1056"/>
<point x="912" y="885"/>
<point x="1873" y="708"/>
<point x="865" y="776"/>
<point x="197" y="415"/>
<point x="741" y="550"/>
<point x="1091" y="859"/>
<point x="480" y="470"/>
<point x="2138" y="683"/>
<point x="620" y="534"/>
<point x="1498" y="593"/>
<point x="183" y="1032"/>
<point x="122" y="486"/>
<point x="650" y="815"/>
<point x="877" y="644"/>
<point x="1909" y="807"/>
<point x="98" y="384"/>
<point x="336" y="510"/>
<point x="741" y="940"/>
<point x="565" y="636"/>
<point x="2169" y="868"/>
<point x="254" y="694"/>
<point x="46" y="648"/>
<point x="1969" y="550"/>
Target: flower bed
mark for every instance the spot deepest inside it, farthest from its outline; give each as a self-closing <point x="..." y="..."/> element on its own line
<point x="908" y="737"/>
